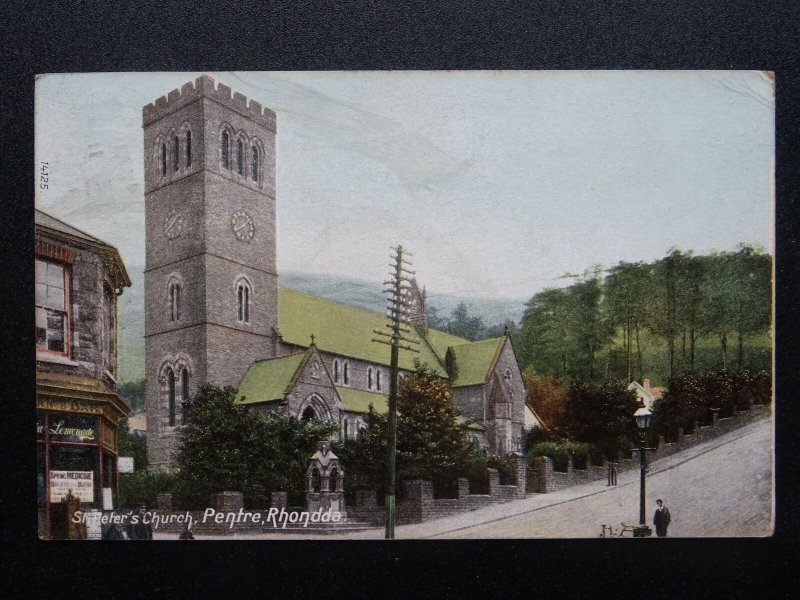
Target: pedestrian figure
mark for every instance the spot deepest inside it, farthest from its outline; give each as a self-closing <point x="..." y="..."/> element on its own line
<point x="661" y="519"/>
<point x="141" y="530"/>
<point x="186" y="534"/>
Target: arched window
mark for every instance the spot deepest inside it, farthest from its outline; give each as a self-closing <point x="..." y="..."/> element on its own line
<point x="308" y="415"/>
<point x="176" y="146"/>
<point x="171" y="395"/>
<point x="369" y="378"/>
<point x="188" y="148"/>
<point x="315" y="370"/>
<point x="163" y="160"/>
<point x="336" y="371"/>
<point x="346" y="373"/>
<point x="507" y="377"/>
<point x="378" y="379"/>
<point x="243" y="300"/>
<point x="225" y="149"/>
<point x="344" y="429"/>
<point x="175" y="300"/>
<point x="239" y="157"/>
<point x="254" y="174"/>
<point x="185" y="395"/>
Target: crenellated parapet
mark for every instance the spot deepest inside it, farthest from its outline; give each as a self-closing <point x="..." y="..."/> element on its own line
<point x="206" y="87"/>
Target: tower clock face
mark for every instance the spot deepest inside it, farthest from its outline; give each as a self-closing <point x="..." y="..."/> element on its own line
<point x="174" y="224"/>
<point x="243" y="226"/>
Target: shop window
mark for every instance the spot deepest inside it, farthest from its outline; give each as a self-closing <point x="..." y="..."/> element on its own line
<point x="52" y="302"/>
<point x="225" y="150"/>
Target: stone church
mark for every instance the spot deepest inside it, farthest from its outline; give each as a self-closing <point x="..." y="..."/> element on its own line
<point x="216" y="312"/>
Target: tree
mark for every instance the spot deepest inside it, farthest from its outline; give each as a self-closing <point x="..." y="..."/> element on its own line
<point x="430" y="443"/>
<point x="133" y="392"/>
<point x="464" y="325"/>
<point x="546" y="341"/>
<point x="226" y="446"/>
<point x="549" y="398"/>
<point x="601" y="415"/>
<point x="433" y="319"/>
<point x="591" y="330"/>
<point x="737" y="297"/>
<point x="626" y="294"/>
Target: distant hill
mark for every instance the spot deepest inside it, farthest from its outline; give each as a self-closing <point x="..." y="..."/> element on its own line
<point x="350" y="291"/>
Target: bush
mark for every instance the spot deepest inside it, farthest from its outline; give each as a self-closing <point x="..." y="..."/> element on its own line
<point x="143" y="487"/>
<point x="582" y="454"/>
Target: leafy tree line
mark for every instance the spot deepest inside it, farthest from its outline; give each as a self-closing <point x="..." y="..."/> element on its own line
<point x="603" y="326"/>
<point x="580" y="418"/>
<point x="587" y="422"/>
<point x="693" y="399"/>
<point x="463" y="324"/>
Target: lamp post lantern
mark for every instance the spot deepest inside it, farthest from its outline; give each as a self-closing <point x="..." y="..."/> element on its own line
<point x="644" y="418"/>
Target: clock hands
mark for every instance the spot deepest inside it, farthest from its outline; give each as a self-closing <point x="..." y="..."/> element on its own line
<point x="171" y="222"/>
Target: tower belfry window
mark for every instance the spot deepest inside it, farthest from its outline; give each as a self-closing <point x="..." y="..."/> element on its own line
<point x="239" y="157"/>
<point x="163" y="160"/>
<point x="225" y="149"/>
<point x="171" y="396"/>
<point x="185" y="395"/>
<point x="254" y="174"/>
<point x="176" y="146"/>
<point x="243" y="301"/>
<point x="175" y="301"/>
<point x="188" y="148"/>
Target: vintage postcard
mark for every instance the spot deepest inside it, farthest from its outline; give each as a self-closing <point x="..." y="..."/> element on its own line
<point x="404" y="305"/>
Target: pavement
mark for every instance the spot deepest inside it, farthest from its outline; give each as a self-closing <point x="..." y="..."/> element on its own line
<point x="719" y="488"/>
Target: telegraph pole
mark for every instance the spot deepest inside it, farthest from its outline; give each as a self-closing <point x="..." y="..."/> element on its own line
<point x="398" y="286"/>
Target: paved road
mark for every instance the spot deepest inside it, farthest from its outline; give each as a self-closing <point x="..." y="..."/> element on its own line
<point x="721" y="488"/>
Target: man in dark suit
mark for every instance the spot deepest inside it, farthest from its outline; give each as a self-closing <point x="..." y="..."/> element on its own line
<point x="661" y="519"/>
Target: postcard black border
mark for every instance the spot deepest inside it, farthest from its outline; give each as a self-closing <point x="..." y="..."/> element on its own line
<point x="216" y="36"/>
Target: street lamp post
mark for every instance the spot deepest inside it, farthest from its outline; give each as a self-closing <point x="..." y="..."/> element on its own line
<point x="643" y="418"/>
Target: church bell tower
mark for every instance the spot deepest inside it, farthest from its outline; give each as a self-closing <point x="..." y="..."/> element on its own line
<point x="211" y="283"/>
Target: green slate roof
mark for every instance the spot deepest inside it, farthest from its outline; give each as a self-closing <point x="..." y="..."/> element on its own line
<point x="347" y="330"/>
<point x="270" y="379"/>
<point x="475" y="360"/>
<point x="359" y="400"/>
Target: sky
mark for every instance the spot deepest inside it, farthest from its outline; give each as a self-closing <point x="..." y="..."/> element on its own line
<point x="498" y="182"/>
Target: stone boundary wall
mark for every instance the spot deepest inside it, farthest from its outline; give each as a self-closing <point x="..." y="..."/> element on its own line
<point x="545" y="479"/>
<point x="419" y="504"/>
